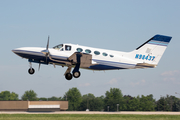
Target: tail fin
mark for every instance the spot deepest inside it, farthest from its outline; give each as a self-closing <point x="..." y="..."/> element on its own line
<point x="152" y="50"/>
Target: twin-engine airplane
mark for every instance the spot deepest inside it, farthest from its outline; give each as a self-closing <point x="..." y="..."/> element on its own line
<point x="76" y="56"/>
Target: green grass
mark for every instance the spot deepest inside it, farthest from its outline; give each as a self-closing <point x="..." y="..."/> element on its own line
<point x="85" y="117"/>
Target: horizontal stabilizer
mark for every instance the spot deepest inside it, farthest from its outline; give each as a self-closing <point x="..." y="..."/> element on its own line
<point x="145" y="65"/>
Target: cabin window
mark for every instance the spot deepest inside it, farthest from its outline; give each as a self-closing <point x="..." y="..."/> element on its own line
<point x="68" y="48"/>
<point x="111" y="55"/>
<point x="96" y="52"/>
<point x="79" y="49"/>
<point x="88" y="51"/>
<point x="104" y="54"/>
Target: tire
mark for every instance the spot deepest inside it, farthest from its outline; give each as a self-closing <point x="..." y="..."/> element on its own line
<point x="68" y="76"/>
<point x="76" y="74"/>
<point x="31" y="71"/>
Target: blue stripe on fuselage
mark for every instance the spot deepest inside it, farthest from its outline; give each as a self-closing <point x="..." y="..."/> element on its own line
<point x="38" y="56"/>
<point x="109" y="65"/>
<point x="112" y="63"/>
<point x="104" y="67"/>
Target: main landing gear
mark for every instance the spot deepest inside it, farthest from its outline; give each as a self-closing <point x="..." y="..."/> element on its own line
<point x="75" y="74"/>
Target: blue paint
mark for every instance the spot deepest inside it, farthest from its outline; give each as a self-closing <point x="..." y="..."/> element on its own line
<point x="157" y="43"/>
<point x="104" y="67"/>
<point x="150" y="57"/>
<point x="110" y="63"/>
<point x="162" y="38"/>
<point x="153" y="58"/>
<point x="143" y="57"/>
<point x="137" y="56"/>
<point x="146" y="57"/>
<point x="140" y="56"/>
<point x="78" y="58"/>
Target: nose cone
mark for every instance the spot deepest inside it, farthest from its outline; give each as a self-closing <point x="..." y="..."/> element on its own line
<point x="28" y="52"/>
<point x="15" y="50"/>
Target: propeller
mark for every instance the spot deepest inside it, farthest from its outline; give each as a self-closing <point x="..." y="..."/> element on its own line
<point x="46" y="52"/>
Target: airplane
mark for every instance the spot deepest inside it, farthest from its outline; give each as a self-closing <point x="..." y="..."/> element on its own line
<point x="76" y="56"/>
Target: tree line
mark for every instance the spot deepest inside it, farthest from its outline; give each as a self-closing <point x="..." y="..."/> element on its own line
<point x="113" y="100"/>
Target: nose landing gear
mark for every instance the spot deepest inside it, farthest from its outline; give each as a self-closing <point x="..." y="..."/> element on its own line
<point x="31" y="70"/>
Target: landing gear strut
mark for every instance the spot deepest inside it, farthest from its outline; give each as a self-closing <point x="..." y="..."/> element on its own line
<point x="75" y="71"/>
<point x="31" y="70"/>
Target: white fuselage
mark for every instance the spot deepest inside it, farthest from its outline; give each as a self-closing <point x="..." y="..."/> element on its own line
<point x="102" y="59"/>
<point x="147" y="55"/>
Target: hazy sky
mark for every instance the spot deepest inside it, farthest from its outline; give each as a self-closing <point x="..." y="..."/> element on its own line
<point x="109" y="24"/>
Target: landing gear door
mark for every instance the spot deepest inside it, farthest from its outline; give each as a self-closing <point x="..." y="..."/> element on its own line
<point x="85" y="60"/>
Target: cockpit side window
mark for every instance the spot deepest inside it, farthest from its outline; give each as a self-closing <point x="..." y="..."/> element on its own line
<point x="67" y="48"/>
<point x="58" y="47"/>
<point x="62" y="49"/>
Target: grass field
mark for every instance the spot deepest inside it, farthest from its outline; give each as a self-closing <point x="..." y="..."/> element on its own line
<point x="86" y="117"/>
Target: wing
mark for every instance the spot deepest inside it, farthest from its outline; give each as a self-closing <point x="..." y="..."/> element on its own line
<point x="84" y="59"/>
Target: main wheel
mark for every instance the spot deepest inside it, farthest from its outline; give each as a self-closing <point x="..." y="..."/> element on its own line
<point x="68" y="76"/>
<point x="76" y="74"/>
<point x="31" y="71"/>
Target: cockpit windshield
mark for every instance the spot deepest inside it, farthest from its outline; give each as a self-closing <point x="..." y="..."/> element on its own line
<point x="58" y="47"/>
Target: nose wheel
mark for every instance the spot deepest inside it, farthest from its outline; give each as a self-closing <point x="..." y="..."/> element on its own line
<point x="31" y="71"/>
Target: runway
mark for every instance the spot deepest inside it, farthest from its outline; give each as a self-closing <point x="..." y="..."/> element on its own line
<point x="94" y="112"/>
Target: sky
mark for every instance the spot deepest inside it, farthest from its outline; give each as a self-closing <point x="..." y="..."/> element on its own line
<point x="108" y="24"/>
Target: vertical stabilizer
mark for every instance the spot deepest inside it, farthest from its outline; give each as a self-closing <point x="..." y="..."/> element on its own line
<point x="151" y="51"/>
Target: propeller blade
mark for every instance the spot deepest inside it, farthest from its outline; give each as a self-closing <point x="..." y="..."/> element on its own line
<point x="47" y="51"/>
<point x="39" y="66"/>
<point x="47" y="44"/>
